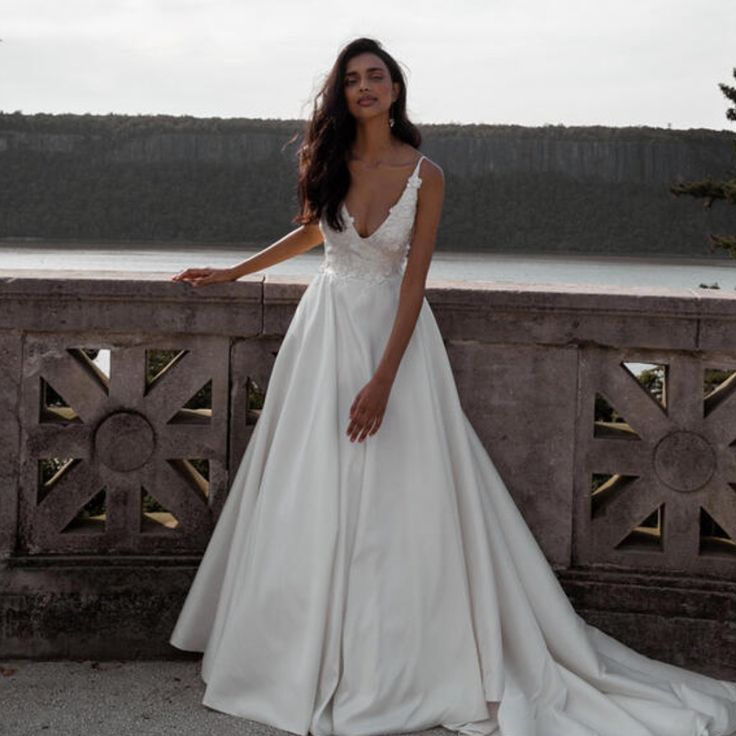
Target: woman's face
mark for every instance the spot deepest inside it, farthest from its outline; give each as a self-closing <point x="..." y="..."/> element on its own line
<point x="369" y="90"/>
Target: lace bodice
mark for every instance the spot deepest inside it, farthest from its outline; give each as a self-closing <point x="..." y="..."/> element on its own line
<point x="383" y="253"/>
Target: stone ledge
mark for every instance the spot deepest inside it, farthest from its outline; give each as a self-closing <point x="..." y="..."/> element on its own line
<point x="67" y="612"/>
<point x="557" y="314"/>
<point x="614" y="299"/>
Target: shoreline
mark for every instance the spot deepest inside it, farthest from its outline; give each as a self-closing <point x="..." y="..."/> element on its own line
<point x="215" y="247"/>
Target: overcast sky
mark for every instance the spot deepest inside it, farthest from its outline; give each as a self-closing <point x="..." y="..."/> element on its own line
<point x="525" y="62"/>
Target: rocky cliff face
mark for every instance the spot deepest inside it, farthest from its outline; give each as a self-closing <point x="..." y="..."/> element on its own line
<point x="559" y="189"/>
<point x="600" y="154"/>
<point x="642" y="155"/>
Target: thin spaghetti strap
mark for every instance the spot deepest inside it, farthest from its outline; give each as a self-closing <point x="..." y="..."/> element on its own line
<point x="416" y="168"/>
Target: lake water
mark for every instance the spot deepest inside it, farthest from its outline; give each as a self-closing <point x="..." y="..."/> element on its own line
<point x="494" y="267"/>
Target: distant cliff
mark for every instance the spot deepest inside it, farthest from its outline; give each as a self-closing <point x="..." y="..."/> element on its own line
<point x="508" y="188"/>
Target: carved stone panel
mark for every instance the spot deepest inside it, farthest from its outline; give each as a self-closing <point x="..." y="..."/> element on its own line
<point x="655" y="461"/>
<point x="124" y="443"/>
<point x="251" y="361"/>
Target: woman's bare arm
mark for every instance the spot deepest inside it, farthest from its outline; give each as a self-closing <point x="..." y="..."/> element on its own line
<point x="298" y="241"/>
<point x="429" y="210"/>
<point x="369" y="405"/>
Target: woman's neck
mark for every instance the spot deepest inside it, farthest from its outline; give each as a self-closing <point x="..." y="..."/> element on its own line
<point x="374" y="144"/>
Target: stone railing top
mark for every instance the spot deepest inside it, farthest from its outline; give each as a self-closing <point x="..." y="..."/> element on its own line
<point x="111" y="282"/>
<point x="115" y="301"/>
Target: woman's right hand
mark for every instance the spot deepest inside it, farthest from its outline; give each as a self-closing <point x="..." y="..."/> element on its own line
<point x="204" y="276"/>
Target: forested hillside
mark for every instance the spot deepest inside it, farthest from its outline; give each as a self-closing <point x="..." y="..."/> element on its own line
<point x="209" y="180"/>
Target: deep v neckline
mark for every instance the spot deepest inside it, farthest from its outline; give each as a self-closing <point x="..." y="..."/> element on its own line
<point x="390" y="209"/>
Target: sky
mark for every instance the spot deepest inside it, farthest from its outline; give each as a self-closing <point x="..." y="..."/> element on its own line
<point x="522" y="62"/>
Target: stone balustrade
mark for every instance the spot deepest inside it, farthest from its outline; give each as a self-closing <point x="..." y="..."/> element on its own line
<point x="127" y="401"/>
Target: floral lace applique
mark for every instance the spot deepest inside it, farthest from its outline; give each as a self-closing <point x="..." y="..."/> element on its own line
<point x="382" y="254"/>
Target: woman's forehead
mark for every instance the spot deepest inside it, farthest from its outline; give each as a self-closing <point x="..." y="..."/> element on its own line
<point x="367" y="59"/>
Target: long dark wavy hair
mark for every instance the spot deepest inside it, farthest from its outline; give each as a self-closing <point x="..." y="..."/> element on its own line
<point x="324" y="176"/>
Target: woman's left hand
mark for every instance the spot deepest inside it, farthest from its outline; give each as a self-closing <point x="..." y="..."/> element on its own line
<point x="368" y="408"/>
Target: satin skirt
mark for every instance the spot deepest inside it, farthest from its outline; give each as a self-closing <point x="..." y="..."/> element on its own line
<point x="392" y="585"/>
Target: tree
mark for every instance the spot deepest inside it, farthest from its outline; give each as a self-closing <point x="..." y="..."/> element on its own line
<point x="712" y="189"/>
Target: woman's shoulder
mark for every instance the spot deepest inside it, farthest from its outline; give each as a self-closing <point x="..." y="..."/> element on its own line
<point x="428" y="169"/>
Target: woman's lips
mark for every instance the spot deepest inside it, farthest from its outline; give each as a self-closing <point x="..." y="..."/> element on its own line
<point x="367" y="102"/>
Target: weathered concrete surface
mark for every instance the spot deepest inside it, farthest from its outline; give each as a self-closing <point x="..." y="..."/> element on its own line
<point x="529" y="361"/>
<point x="688" y="622"/>
<point x="72" y="607"/>
<point x="10" y="361"/>
<point x="131" y="304"/>
<point x="152" y="698"/>
<point x="547" y="427"/>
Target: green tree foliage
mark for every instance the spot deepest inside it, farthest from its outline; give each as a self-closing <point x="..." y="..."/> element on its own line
<point x="713" y="189"/>
<point x="154" y="178"/>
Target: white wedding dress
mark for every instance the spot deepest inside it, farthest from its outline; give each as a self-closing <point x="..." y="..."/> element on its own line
<point x="392" y="585"/>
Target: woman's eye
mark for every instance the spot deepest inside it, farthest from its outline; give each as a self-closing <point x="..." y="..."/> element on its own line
<point x="377" y="78"/>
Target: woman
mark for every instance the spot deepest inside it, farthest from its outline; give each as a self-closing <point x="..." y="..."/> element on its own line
<point x="369" y="572"/>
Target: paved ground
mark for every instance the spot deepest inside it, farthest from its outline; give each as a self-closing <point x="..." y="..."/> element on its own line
<point x="89" y="698"/>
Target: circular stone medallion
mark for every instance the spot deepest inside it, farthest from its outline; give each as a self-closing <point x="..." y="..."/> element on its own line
<point x="684" y="461"/>
<point x="124" y="441"/>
